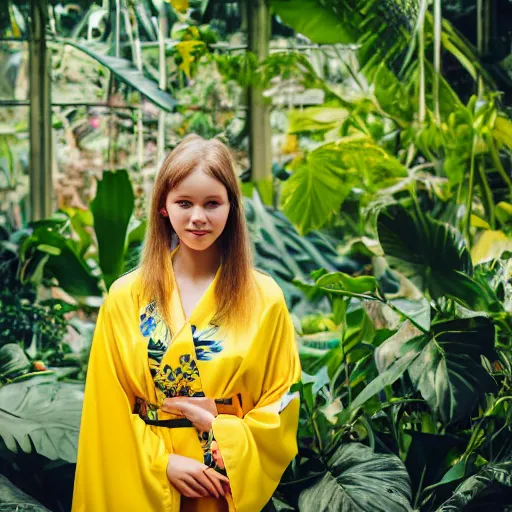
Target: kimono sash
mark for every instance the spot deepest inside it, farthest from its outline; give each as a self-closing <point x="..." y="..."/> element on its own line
<point x="231" y="406"/>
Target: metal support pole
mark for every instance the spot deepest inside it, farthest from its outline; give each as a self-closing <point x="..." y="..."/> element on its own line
<point x="260" y="143"/>
<point x="40" y="114"/>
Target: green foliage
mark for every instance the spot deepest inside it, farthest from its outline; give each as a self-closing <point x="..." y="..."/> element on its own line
<point x="433" y="255"/>
<point x="359" y="480"/>
<point x="21" y="318"/>
<point x="323" y="179"/>
<point x="112" y="209"/>
<point x="126" y="72"/>
<point x="41" y="414"/>
<point x="417" y="383"/>
<point x="283" y="253"/>
<point x="60" y="247"/>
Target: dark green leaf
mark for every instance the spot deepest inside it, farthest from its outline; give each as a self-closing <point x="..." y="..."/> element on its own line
<point x="360" y="480"/>
<point x="112" y="208"/>
<point x="475" y="486"/>
<point x="432" y="254"/>
<point x="448" y="371"/>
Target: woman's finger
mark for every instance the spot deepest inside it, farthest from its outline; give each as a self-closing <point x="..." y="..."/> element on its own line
<point x="187" y="491"/>
<point x="196" y="486"/>
<point x="208" y="484"/>
<point x="222" y="478"/>
<point x="214" y="481"/>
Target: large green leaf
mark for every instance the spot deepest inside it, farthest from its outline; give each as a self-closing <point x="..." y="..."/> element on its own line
<point x="323" y="179"/>
<point x="42" y="415"/>
<point x="125" y="71"/>
<point x="112" y="208"/>
<point x="496" y="475"/>
<point x="448" y="371"/>
<point x="310" y="18"/>
<point x="360" y="480"/>
<point x="315" y="119"/>
<point x="444" y="365"/>
<point x="46" y="250"/>
<point x="432" y="254"/>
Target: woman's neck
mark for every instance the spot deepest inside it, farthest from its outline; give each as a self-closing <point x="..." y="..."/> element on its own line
<point x="197" y="265"/>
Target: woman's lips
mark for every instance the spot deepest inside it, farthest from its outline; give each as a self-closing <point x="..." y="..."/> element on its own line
<point x="199" y="233"/>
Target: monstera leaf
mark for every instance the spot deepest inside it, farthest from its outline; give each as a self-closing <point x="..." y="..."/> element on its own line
<point x="497" y="475"/>
<point x="433" y="255"/>
<point x="324" y="178"/>
<point x="443" y="364"/>
<point x="41" y="414"/>
<point x="359" y="480"/>
<point x="447" y="371"/>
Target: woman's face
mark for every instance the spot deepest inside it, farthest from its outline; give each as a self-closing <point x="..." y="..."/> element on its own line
<point x="198" y="209"/>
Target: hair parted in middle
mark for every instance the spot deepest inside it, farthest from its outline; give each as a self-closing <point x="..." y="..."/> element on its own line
<point x="235" y="285"/>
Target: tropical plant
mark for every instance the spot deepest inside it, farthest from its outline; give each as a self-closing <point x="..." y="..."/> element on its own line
<point x="422" y="374"/>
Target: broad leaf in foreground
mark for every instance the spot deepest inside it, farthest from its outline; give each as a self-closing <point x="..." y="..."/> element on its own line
<point x="448" y="371"/>
<point x="359" y="480"/>
<point x="41" y="414"/>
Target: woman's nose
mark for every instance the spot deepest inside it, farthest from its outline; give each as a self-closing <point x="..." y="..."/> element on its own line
<point x="198" y="215"/>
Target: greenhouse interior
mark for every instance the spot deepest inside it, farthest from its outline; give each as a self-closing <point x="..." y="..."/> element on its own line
<point x="372" y="144"/>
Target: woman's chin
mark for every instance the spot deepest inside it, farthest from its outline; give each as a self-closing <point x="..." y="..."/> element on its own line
<point x="196" y="243"/>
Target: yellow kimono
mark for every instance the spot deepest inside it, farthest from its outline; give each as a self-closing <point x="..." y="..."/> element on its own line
<point x="122" y="459"/>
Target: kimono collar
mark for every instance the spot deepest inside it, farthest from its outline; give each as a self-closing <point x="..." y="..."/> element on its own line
<point x="204" y="309"/>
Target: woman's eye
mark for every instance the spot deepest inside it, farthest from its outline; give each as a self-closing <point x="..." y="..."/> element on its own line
<point x="183" y="204"/>
<point x="212" y="204"/>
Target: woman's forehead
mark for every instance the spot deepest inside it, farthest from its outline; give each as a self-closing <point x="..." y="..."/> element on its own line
<point x="199" y="184"/>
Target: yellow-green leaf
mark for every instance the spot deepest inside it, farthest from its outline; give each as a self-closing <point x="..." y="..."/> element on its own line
<point x="490" y="246"/>
<point x="180" y="5"/>
<point x="504" y="212"/>
<point x="315" y="119"/>
<point x="477" y="222"/>
<point x="503" y="131"/>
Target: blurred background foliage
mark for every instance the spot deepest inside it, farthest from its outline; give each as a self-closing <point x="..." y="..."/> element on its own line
<point x="386" y="218"/>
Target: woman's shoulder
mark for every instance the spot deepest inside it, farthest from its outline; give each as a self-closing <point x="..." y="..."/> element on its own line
<point x="125" y="287"/>
<point x="268" y="288"/>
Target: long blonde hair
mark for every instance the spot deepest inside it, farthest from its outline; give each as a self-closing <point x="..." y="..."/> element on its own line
<point x="235" y="284"/>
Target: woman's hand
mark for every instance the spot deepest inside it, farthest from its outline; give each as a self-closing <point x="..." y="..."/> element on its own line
<point x="199" y="410"/>
<point x="194" y="479"/>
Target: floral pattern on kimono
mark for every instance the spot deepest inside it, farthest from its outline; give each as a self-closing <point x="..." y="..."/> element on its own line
<point x="182" y="380"/>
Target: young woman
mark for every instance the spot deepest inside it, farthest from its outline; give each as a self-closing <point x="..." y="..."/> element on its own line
<point x="187" y="404"/>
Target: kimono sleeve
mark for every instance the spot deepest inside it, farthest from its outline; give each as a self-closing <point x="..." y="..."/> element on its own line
<point x="257" y="448"/>
<point x="121" y="462"/>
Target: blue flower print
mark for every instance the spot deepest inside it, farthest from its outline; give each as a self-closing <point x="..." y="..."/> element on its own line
<point x="147" y="324"/>
<point x="205" y="347"/>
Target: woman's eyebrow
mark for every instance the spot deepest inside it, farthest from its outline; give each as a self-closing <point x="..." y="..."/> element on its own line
<point x="184" y="196"/>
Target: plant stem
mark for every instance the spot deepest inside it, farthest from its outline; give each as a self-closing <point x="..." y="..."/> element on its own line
<point x="497" y="162"/>
<point x="486" y="195"/>
<point x="421" y="59"/>
<point x="469" y="199"/>
<point x="437" y="56"/>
